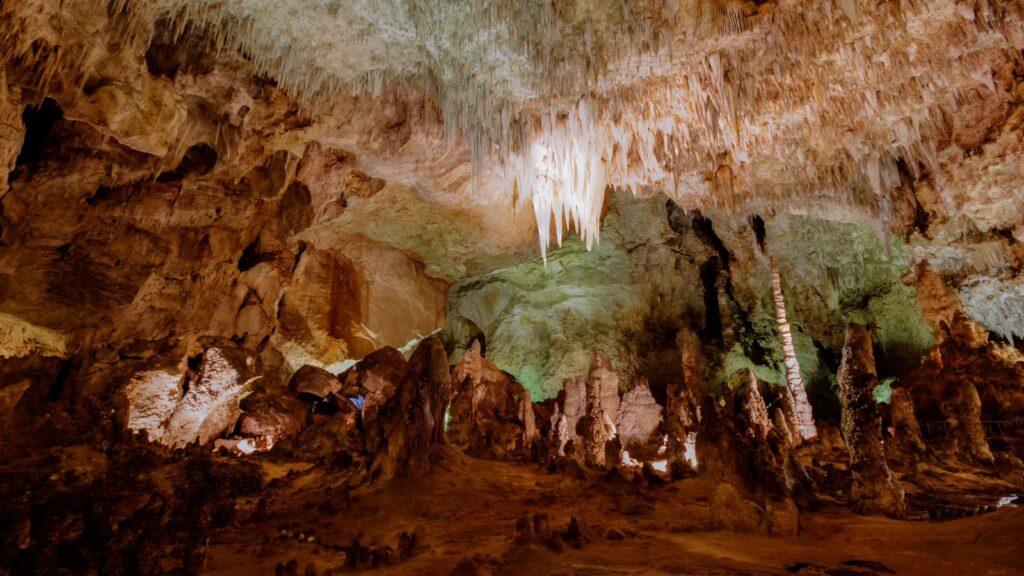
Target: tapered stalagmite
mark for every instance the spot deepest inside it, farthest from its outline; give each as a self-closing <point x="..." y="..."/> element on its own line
<point x="875" y="489"/>
<point x="971" y="431"/>
<point x="801" y="406"/>
<point x="412" y="419"/>
<point x="906" y="429"/>
<point x="758" y="421"/>
<point x="598" y="428"/>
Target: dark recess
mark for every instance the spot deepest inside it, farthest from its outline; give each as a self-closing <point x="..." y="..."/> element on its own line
<point x="39" y="122"/>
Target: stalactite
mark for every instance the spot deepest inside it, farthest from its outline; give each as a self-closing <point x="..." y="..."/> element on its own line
<point x="562" y="118"/>
<point x="801" y="405"/>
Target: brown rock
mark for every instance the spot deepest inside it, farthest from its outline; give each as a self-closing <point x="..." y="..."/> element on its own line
<point x="875" y="489"/>
<point x="783" y="517"/>
<point x="413" y="419"/>
<point x="274" y="412"/>
<point x="491" y="414"/>
<point x="730" y="511"/>
<point x="907" y="431"/>
<point x="314" y="381"/>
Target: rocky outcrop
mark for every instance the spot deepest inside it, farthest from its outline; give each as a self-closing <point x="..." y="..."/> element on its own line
<point x="638" y="423"/>
<point x="906" y="430"/>
<point x="875" y="489"/>
<point x="412" y="420"/>
<point x="491" y="414"/>
<point x="177" y="409"/>
<point x="314" y="381"/>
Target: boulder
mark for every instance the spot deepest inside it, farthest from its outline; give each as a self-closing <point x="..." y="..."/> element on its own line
<point x="211" y="405"/>
<point x="274" y="412"/>
<point x="732" y="512"/>
<point x="314" y="381"/>
<point x="151" y="397"/>
<point x="783" y="517"/>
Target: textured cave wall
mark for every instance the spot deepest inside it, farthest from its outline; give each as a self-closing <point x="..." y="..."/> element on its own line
<point x="160" y="209"/>
<point x="661" y="277"/>
<point x="159" y="196"/>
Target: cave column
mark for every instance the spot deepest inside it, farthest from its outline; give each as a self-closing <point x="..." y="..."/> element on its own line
<point x="801" y="406"/>
<point x="875" y="489"/>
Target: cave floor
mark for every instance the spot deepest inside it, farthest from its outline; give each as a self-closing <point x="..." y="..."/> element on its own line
<point x="467" y="508"/>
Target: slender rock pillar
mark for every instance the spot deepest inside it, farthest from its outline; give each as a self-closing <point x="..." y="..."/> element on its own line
<point x="875" y="489"/>
<point x="801" y="407"/>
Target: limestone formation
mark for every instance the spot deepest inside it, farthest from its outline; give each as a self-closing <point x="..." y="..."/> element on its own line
<point x="241" y="243"/>
<point x="314" y="381"/>
<point x="273" y="412"/>
<point x="574" y="403"/>
<point x="412" y="420"/>
<point x="682" y="424"/>
<point x="491" y="414"/>
<point x="875" y="489"/>
<point x="801" y="406"/>
<point x="758" y="422"/>
<point x="906" y="430"/>
<point x="638" y="422"/>
<point x="598" y="429"/>
<point x="969" y="426"/>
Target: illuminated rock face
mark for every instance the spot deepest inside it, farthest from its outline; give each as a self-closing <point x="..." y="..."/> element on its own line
<point x="639" y="420"/>
<point x="177" y="408"/>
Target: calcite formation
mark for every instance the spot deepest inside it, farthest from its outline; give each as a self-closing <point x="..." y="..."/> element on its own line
<point x="875" y="488"/>
<point x="510" y="286"/>
<point x="490" y="413"/>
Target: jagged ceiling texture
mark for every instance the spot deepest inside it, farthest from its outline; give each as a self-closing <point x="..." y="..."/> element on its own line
<point x="731" y="104"/>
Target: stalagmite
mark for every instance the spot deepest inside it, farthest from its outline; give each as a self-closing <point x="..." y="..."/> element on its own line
<point x="490" y="414"/>
<point x="971" y="430"/>
<point x="758" y="421"/>
<point x="875" y="489"/>
<point x="906" y="430"/>
<point x="801" y="405"/>
<point x="598" y="427"/>
<point x="638" y="421"/>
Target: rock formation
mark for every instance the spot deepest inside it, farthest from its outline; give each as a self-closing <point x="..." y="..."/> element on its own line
<point x="906" y="430"/>
<point x="875" y="488"/>
<point x="491" y="414"/>
<point x="412" y="420"/>
<point x="638" y="422"/>
<point x="242" y="243"/>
